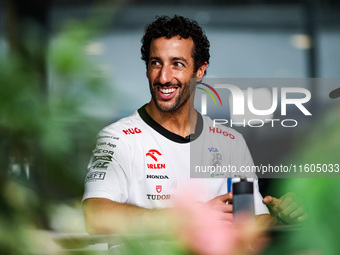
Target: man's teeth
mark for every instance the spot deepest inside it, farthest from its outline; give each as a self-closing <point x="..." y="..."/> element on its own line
<point x="167" y="91"/>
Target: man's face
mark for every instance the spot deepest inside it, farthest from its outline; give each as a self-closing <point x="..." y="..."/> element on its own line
<point x="169" y="70"/>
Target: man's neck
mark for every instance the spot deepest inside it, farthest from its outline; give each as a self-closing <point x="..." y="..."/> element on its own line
<point x="181" y="122"/>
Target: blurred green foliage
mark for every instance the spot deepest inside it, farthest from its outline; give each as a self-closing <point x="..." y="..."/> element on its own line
<point x="46" y="131"/>
<point x="319" y="234"/>
<point x="47" y="128"/>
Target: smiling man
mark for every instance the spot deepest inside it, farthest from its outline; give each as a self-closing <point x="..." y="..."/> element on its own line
<point x="169" y="69"/>
<point x="142" y="162"/>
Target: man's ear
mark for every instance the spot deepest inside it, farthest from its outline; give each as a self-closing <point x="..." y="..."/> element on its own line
<point x="201" y="70"/>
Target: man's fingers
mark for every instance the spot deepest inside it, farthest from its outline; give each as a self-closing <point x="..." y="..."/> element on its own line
<point x="267" y="200"/>
<point x="271" y="201"/>
<point x="228" y="208"/>
<point x="220" y="203"/>
<point x="288" y="209"/>
<point x="302" y="218"/>
<point x="297" y="213"/>
<point x="225" y="208"/>
<point x="228" y="197"/>
<point x="273" y="204"/>
<point x="294" y="217"/>
<point x="288" y="199"/>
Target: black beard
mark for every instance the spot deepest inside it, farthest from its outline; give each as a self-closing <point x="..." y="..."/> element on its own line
<point x="181" y="99"/>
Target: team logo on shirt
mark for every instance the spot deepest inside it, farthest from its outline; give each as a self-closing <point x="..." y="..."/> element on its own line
<point x="152" y="153"/>
<point x="159" y="188"/>
<point x="216" y="159"/>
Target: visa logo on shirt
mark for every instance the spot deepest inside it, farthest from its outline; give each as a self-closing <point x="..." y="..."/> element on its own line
<point x="212" y="149"/>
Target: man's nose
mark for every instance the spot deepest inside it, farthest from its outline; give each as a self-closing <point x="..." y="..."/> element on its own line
<point x="166" y="75"/>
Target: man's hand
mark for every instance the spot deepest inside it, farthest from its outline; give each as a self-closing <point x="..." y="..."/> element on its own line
<point x="220" y="204"/>
<point x="288" y="208"/>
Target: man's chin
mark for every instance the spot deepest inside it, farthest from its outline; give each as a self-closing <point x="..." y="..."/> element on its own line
<point x="166" y="106"/>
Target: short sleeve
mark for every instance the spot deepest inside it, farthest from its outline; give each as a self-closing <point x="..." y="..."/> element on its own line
<point x="108" y="170"/>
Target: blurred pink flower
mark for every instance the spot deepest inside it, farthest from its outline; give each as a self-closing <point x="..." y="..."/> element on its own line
<point x="202" y="232"/>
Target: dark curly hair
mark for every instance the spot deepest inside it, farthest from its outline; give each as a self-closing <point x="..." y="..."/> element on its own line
<point x="178" y="25"/>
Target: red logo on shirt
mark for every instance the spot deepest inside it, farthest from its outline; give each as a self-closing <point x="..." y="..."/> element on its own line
<point x="131" y="131"/>
<point x="152" y="153"/>
<point x="219" y="131"/>
<point x="159" y="188"/>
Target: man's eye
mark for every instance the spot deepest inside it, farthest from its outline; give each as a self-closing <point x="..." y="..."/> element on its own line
<point x="155" y="63"/>
<point x="179" y="64"/>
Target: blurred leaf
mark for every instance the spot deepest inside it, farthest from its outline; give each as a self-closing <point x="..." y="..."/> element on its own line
<point x="45" y="132"/>
<point x="321" y="145"/>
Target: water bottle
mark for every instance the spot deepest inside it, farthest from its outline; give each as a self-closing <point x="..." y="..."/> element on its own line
<point x="243" y="199"/>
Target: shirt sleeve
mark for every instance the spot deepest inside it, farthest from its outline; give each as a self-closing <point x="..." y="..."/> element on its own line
<point x="108" y="170"/>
